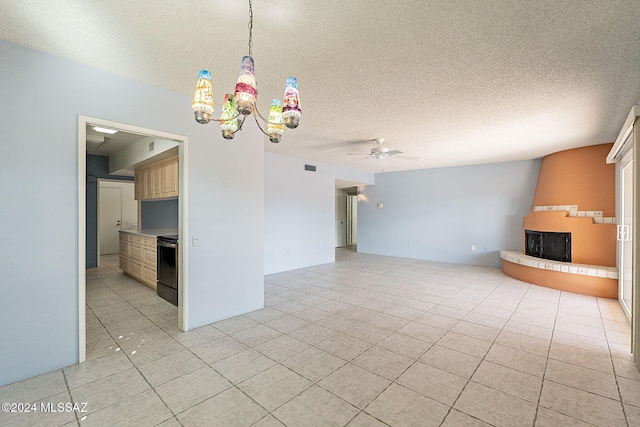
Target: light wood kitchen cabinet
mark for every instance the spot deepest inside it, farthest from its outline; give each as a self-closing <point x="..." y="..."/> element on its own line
<point x="138" y="258"/>
<point x="139" y="182"/>
<point x="135" y="251"/>
<point x="151" y="183"/>
<point x="135" y="268"/>
<point x="157" y="181"/>
<point x="169" y="178"/>
<point x="124" y="264"/>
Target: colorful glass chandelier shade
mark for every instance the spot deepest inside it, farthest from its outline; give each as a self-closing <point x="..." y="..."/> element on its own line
<point x="291" y="104"/>
<point x="229" y="125"/>
<point x="275" y="125"/>
<point x="246" y="91"/>
<point x="203" y="98"/>
<point x="243" y="101"/>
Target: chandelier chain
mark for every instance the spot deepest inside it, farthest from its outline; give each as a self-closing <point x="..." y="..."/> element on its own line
<point x="250" y="27"/>
<point x="243" y="101"/>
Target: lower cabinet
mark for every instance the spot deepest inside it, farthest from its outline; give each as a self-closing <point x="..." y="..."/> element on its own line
<point x="138" y="258"/>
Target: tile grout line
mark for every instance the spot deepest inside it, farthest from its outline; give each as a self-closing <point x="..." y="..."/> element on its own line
<point x="571" y="386"/>
<point x="433" y="344"/>
<point x="351" y="363"/>
<point x="135" y="365"/>
<point x="613" y="368"/>
<point x="175" y="416"/>
<point x="546" y="361"/>
<point x="64" y="376"/>
<point x="337" y="282"/>
<point x="482" y="359"/>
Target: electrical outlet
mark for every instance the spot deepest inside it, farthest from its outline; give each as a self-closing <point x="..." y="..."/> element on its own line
<point x="196" y="241"/>
<point x="473" y="247"/>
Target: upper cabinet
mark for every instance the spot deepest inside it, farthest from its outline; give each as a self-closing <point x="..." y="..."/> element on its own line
<point x="139" y="184"/>
<point x="157" y="181"/>
<point x="169" y="178"/>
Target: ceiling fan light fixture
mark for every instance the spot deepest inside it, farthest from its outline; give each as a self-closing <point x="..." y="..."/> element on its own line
<point x="243" y="102"/>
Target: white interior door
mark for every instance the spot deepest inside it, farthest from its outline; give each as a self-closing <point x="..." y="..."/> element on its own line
<point x="110" y="220"/>
<point x="625" y="235"/>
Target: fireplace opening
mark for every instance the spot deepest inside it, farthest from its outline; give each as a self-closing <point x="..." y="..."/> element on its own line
<point x="548" y="245"/>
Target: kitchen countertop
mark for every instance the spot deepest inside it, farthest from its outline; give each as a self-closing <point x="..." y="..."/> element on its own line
<point x="151" y="232"/>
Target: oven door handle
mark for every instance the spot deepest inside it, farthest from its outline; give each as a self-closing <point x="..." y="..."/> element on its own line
<point x="167" y="245"/>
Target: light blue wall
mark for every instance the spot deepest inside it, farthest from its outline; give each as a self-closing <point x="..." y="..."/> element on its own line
<point x="299" y="214"/>
<point x="438" y="214"/>
<point x="41" y="99"/>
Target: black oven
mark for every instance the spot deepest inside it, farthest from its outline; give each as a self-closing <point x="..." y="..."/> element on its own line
<point x="168" y="268"/>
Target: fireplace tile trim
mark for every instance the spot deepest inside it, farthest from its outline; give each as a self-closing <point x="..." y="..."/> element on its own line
<point x="518" y="257"/>
<point x="597" y="216"/>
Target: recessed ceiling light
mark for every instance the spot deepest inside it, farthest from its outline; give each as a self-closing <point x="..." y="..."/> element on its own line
<point x="104" y="130"/>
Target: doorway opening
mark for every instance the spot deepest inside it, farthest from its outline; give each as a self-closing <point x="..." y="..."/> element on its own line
<point x="348" y="194"/>
<point x="181" y="144"/>
<point x="117" y="210"/>
<point x="352" y="220"/>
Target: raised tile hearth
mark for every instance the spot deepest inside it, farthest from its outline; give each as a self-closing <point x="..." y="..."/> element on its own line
<point x="518" y="257"/>
<point x="595" y="280"/>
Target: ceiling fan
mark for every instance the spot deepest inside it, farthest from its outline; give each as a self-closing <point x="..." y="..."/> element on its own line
<point x="382" y="153"/>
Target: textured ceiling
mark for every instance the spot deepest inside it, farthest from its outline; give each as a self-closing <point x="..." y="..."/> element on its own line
<point x="452" y="82"/>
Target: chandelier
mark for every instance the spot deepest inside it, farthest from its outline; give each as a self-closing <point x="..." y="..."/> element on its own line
<point x="243" y="101"/>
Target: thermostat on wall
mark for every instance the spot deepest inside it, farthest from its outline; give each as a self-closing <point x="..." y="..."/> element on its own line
<point x="380" y="205"/>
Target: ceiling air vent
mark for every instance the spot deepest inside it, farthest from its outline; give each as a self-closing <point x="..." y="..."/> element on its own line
<point x="310" y="168"/>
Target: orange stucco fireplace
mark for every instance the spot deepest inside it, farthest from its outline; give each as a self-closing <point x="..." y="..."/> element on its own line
<point x="575" y="195"/>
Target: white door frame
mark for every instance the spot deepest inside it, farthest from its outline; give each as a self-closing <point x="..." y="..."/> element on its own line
<point x="625" y="235"/>
<point x="635" y="287"/>
<point x="183" y="253"/>
<point x="631" y="128"/>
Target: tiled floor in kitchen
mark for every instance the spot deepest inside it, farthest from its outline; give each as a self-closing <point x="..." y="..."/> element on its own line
<point x="366" y="341"/>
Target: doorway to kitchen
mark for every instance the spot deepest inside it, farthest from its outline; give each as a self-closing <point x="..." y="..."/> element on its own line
<point x="181" y="143"/>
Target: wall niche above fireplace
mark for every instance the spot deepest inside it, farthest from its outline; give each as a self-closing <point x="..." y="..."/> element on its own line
<point x="548" y="245"/>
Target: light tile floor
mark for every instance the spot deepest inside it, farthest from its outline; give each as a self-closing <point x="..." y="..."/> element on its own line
<point x="366" y="341"/>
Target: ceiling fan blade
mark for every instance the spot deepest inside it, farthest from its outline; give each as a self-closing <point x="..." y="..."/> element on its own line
<point x="357" y="160"/>
<point x="357" y="154"/>
<point x="393" y="152"/>
<point x="412" y="158"/>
